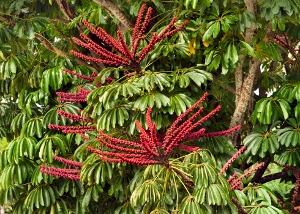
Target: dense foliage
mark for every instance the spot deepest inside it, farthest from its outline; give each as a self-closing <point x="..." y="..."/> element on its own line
<point x="100" y="106"/>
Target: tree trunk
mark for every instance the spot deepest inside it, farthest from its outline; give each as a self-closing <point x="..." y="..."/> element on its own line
<point x="244" y="87"/>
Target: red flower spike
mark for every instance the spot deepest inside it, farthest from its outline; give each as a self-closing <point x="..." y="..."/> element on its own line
<point x="167" y="28"/>
<point x="70" y="116"/>
<point x="137" y="24"/>
<point x="68" y="162"/>
<point x="125" y="56"/>
<point x="127" y="53"/>
<point x="237" y="182"/>
<point x="234" y="176"/>
<point x="153" y="148"/>
<point x="64" y="173"/>
<point x="72" y="129"/>
<point x="88" y="78"/>
<point x="232" y="159"/>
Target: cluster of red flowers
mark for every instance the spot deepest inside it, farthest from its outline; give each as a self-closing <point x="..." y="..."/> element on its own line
<point x="125" y="56"/>
<point x="72" y="129"/>
<point x="78" y="97"/>
<point x="68" y="162"/>
<point x="84" y="77"/>
<point x="232" y="159"/>
<point x="236" y="182"/>
<point x="61" y="172"/>
<point x="152" y="149"/>
<point x="71" y="116"/>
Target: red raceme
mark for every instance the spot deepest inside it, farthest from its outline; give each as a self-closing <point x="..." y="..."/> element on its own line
<point x="151" y="149"/>
<point x="127" y="56"/>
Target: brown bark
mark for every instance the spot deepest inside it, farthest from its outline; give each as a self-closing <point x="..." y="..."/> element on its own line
<point x="49" y="46"/>
<point x="55" y="50"/>
<point x="272" y="177"/>
<point x="239" y="207"/>
<point x="245" y="96"/>
<point x="66" y="9"/>
<point x="245" y="90"/>
<point x="115" y="11"/>
<point x="5" y="20"/>
<point x="238" y="75"/>
<point x="259" y="173"/>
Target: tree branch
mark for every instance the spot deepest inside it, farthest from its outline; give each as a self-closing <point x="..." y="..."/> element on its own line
<point x="66" y="9"/>
<point x="272" y="177"/>
<point x="259" y="173"/>
<point x="228" y="87"/>
<point x="55" y="50"/>
<point x="116" y="11"/>
<point x="247" y="86"/>
<point x="49" y="46"/>
<point x="238" y="75"/>
<point x="5" y="20"/>
<point x="239" y="206"/>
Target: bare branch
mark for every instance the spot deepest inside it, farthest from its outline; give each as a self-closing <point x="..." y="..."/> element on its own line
<point x="116" y="11"/>
<point x="5" y="20"/>
<point x="239" y="206"/>
<point x="49" y="46"/>
<point x="65" y="9"/>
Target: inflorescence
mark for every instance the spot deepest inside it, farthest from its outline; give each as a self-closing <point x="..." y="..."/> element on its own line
<point x="151" y="149"/>
<point x="129" y="57"/>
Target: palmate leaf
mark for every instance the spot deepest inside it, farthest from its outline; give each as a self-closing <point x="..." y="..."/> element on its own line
<point x="215" y="194"/>
<point x="3" y="159"/>
<point x="94" y="170"/>
<point x="200" y="156"/>
<point x="204" y="175"/>
<point x="93" y="193"/>
<point x="126" y="208"/>
<point x="289" y="91"/>
<point x="109" y="93"/>
<point x="290" y="157"/>
<point x="194" y="74"/>
<point x="261" y="142"/>
<point x="258" y="199"/>
<point x="179" y="103"/>
<point x="37" y="177"/>
<point x="268" y="110"/>
<point x="290" y="135"/>
<point x="149" y="192"/>
<point x="43" y="196"/>
<point x="16" y="173"/>
<point x="151" y="99"/>
<point x="74" y="188"/>
<point x="54" y="78"/>
<point x="5" y="35"/>
<point x="190" y="206"/>
<point x="52" y="144"/>
<point x="111" y="117"/>
<point x="19" y="121"/>
<point x="11" y="194"/>
<point x="8" y="68"/>
<point x="33" y="127"/>
<point x="21" y="147"/>
<point x="217" y="145"/>
<point x="151" y="80"/>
